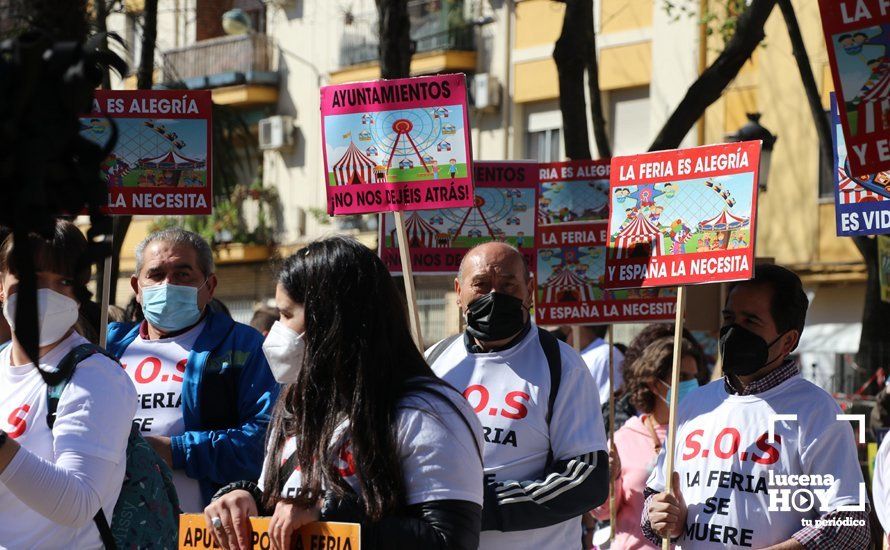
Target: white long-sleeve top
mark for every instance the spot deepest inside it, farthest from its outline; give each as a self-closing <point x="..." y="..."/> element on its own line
<point x="59" y="478"/>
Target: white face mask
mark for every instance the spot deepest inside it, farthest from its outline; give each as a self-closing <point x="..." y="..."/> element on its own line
<point x="56" y="314"/>
<point x="284" y="350"/>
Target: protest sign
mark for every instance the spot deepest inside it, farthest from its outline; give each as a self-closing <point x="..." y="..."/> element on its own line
<point x="503" y="210"/>
<point x="397" y="145"/>
<point x="683" y="216"/>
<point x="570" y="276"/>
<point x="161" y="163"/>
<point x="573" y="191"/>
<point x="570" y="239"/>
<point x="857" y="36"/>
<point x="862" y="203"/>
<point x="193" y="533"/>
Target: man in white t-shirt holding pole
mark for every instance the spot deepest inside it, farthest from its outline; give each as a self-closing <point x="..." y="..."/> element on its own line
<point x="762" y="459"/>
<point x="544" y="455"/>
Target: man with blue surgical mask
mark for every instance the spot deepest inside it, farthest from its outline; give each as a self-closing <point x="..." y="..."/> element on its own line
<point x="205" y="388"/>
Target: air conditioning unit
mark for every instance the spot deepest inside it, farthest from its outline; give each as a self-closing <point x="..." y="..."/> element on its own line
<point x="486" y="92"/>
<point x="276" y="132"/>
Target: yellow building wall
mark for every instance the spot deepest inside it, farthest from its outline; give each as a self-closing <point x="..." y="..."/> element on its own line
<point x="793" y="227"/>
<point x="535" y="81"/>
<point x="538" y="23"/>
<point x="625" y="15"/>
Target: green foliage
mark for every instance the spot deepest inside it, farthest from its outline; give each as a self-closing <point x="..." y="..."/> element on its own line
<point x="320" y="215"/>
<point x="227" y="223"/>
<point x="719" y="19"/>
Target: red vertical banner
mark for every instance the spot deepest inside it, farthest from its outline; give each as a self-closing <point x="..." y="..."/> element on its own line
<point x="857" y="37"/>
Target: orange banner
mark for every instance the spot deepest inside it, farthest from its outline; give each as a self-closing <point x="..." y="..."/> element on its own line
<point x="193" y="533"/>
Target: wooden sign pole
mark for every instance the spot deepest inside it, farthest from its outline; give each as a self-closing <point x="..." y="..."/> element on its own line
<point x="675" y="383"/>
<point x="612" y="509"/>
<point x="408" y="276"/>
<point x="106" y="292"/>
<point x="576" y="338"/>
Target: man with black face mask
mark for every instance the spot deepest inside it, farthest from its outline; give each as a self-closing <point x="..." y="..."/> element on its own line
<point x="545" y="447"/>
<point x="745" y="477"/>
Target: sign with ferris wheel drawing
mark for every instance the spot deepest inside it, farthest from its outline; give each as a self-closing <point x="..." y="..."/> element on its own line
<point x="397" y="145"/>
<point x="683" y="217"/>
<point x="857" y="37"/>
<point x="161" y="161"/>
<point x="571" y="235"/>
<point x="503" y="210"/>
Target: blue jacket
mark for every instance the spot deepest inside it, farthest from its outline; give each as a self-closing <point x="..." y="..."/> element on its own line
<point x="228" y="393"/>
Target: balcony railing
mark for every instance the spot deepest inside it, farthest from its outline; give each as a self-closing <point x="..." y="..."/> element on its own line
<point x="362" y="48"/>
<point x="435" y="25"/>
<point x="222" y="61"/>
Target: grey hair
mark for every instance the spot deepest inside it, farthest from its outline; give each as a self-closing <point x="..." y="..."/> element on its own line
<point x="178" y="235"/>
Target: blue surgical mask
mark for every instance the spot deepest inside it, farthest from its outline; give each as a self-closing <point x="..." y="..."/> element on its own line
<point x="685" y="387"/>
<point x="170" y="307"/>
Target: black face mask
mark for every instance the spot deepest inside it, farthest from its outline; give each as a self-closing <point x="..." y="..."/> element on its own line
<point x="495" y="316"/>
<point x="743" y="352"/>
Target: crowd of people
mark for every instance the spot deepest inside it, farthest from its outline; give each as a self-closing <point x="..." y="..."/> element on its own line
<point x="325" y="410"/>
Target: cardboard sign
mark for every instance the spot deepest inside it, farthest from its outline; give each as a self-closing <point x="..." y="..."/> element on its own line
<point x="861" y="203"/>
<point x="884" y="266"/>
<point x="503" y="210"/>
<point x="683" y="217"/>
<point x="573" y="191"/>
<point x="573" y="209"/>
<point x="193" y="533"/>
<point x="397" y="145"/>
<point x="570" y="275"/>
<point x="161" y="163"/>
<point x="857" y="36"/>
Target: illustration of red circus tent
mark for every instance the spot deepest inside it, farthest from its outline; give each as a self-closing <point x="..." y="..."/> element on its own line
<point x="639" y="234"/>
<point x="420" y="233"/>
<point x="172" y="165"/>
<point x="850" y="192"/>
<point x="567" y="286"/>
<point x="354" y="168"/>
<point x="873" y="108"/>
<point x="724" y="224"/>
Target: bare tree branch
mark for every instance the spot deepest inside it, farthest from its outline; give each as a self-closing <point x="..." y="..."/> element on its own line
<point x="572" y="55"/>
<point x="809" y="82"/>
<point x="711" y="83"/>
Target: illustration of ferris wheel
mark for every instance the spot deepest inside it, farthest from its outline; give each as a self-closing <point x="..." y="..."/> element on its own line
<point x="406" y="135"/>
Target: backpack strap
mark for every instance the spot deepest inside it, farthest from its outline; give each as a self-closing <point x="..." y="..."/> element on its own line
<point x="550" y="345"/>
<point x="55" y="385"/>
<point x="440" y="348"/>
<point x="57" y="380"/>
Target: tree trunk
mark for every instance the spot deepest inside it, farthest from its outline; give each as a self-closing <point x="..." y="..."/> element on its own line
<point x="711" y="83"/>
<point x="395" y="47"/>
<point x="873" y="349"/>
<point x="572" y="54"/>
<point x="145" y="76"/>
<point x="600" y="132"/>
<point x="809" y="83"/>
<point x="102" y="28"/>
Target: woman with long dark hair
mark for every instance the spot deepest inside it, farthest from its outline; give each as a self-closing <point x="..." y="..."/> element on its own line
<point x="362" y="431"/>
